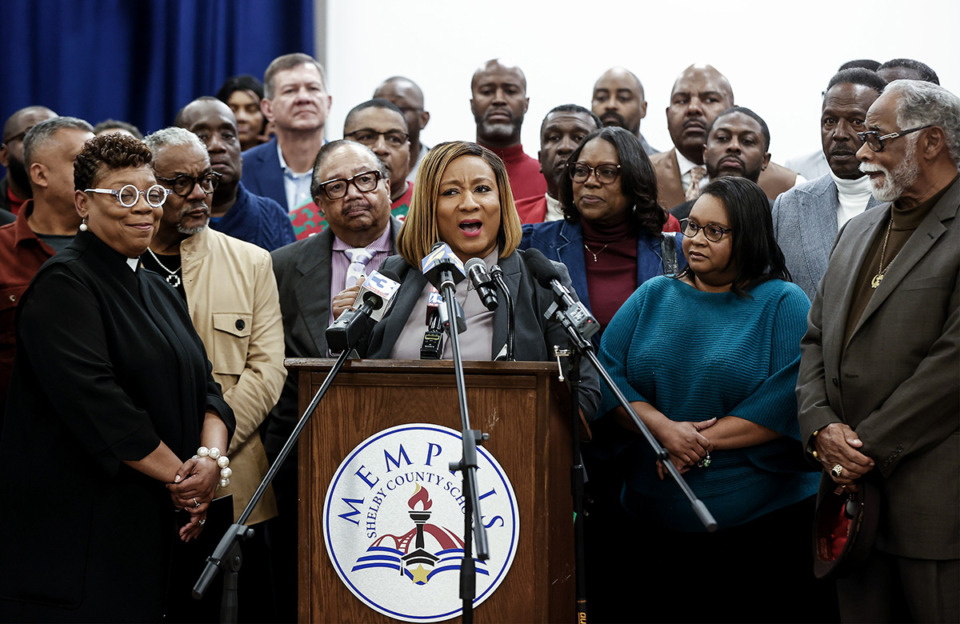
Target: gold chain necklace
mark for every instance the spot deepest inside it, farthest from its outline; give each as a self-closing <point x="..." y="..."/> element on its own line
<point x="881" y="269"/>
<point x="597" y="253"/>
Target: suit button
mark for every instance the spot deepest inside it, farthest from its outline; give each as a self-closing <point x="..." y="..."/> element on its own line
<point x="836" y="382"/>
<point x="240" y="325"/>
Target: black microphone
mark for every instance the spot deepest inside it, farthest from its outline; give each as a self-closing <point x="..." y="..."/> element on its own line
<point x="432" y="346"/>
<point x="374" y="299"/>
<point x="548" y="275"/>
<point x="442" y="266"/>
<point x="482" y="282"/>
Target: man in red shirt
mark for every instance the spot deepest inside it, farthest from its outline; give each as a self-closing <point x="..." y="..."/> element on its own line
<point x="45" y="224"/>
<point x="499" y="103"/>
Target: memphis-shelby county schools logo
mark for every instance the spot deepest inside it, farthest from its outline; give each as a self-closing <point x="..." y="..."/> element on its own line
<point x="393" y="523"/>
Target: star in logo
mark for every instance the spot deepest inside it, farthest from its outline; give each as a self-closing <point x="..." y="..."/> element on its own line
<point x="420" y="575"/>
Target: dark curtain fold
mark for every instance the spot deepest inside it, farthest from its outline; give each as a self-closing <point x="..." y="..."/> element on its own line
<point x="139" y="60"/>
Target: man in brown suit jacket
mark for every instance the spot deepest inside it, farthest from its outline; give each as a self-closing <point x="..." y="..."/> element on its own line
<point x="699" y="94"/>
<point x="879" y="384"/>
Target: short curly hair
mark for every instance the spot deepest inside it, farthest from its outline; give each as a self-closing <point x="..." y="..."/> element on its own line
<point x="107" y="153"/>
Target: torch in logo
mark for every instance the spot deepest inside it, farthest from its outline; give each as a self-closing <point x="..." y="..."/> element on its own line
<point x="419" y="556"/>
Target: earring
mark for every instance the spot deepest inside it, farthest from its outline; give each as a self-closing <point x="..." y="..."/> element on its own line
<point x="83" y="225"/>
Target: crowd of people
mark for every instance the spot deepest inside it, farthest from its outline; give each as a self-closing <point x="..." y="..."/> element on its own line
<point x="790" y="334"/>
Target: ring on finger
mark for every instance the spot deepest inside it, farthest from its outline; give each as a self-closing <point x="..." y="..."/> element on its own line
<point x="202" y="521"/>
<point x="837" y="470"/>
<point x="197" y="504"/>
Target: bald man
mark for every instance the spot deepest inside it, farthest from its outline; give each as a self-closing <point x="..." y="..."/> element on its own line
<point x="619" y="100"/>
<point x="499" y="104"/>
<point x="699" y="94"/>
<point x="15" y="186"/>
<point x="406" y="95"/>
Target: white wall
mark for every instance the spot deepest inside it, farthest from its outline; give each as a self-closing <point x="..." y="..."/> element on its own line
<point x="778" y="57"/>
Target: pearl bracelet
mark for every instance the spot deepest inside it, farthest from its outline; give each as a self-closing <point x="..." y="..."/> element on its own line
<point x="222" y="461"/>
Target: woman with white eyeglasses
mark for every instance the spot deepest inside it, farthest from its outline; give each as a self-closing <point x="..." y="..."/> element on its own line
<point x="709" y="360"/>
<point x="114" y="430"/>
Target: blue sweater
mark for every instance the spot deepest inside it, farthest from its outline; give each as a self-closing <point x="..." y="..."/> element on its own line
<point x="258" y="220"/>
<point x="734" y="356"/>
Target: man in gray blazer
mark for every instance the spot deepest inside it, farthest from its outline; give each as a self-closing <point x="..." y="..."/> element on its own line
<point x="352" y="188"/>
<point x="807" y="217"/>
<point x="879" y="384"/>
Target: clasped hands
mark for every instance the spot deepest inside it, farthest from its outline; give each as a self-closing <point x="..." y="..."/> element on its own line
<point x="192" y="490"/>
<point x="686" y="445"/>
<point x="838" y="445"/>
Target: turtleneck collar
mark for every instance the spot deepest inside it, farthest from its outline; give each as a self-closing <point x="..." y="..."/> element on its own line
<point x="854" y="189"/>
<point x="601" y="233"/>
<point x="508" y="154"/>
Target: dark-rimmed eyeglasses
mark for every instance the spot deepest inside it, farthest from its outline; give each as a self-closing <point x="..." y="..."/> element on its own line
<point x="873" y="139"/>
<point x="369" y="137"/>
<point x="129" y="195"/>
<point x="334" y="189"/>
<point x="606" y="173"/>
<point x="182" y="184"/>
<point x="712" y="232"/>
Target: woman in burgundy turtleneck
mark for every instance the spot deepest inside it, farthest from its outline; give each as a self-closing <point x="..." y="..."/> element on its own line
<point x="611" y="236"/>
<point x="611" y="240"/>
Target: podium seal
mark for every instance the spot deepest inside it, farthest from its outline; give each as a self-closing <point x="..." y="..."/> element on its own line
<point x="393" y="522"/>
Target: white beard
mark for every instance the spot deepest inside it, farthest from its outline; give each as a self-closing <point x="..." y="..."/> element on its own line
<point x="891" y="186"/>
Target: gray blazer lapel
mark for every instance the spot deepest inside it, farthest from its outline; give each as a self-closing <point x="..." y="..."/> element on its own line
<point x="819" y="214"/>
<point x="313" y="288"/>
<point x="916" y="247"/>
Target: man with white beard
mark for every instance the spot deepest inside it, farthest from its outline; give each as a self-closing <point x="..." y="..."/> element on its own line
<point x="879" y="390"/>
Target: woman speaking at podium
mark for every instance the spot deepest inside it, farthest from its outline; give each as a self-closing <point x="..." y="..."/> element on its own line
<point x="462" y="197"/>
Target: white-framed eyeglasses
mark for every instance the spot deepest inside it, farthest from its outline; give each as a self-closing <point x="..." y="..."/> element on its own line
<point x="129" y="195"/>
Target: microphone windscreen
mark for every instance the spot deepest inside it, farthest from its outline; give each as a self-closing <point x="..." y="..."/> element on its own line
<point x="542" y="269"/>
<point x="473" y="262"/>
<point x="441" y="259"/>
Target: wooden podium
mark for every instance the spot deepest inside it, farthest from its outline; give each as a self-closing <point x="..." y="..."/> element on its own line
<point x="525" y="411"/>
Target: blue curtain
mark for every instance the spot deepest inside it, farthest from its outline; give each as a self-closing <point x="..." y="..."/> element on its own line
<point x="139" y="60"/>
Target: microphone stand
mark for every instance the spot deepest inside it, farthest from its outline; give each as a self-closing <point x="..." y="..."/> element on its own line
<point x="227" y="554"/>
<point x="585" y="348"/>
<point x="467" y="464"/>
<point x="497" y="274"/>
<point x="576" y="483"/>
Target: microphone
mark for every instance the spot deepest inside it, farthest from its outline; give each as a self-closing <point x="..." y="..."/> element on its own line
<point x="482" y="282"/>
<point x="373" y="300"/>
<point x="548" y="275"/>
<point x="441" y="266"/>
<point x="432" y="346"/>
<point x="434" y="301"/>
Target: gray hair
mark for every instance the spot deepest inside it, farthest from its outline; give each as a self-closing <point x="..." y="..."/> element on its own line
<point x="333" y="146"/>
<point x="924" y="103"/>
<point x="172" y="137"/>
<point x="285" y="62"/>
<point x="43" y="132"/>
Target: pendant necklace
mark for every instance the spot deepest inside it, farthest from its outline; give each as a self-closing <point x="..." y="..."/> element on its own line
<point x="875" y="282"/>
<point x="600" y="251"/>
<point x="173" y="278"/>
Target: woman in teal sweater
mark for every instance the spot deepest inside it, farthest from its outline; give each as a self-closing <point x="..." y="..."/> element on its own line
<point x="709" y="361"/>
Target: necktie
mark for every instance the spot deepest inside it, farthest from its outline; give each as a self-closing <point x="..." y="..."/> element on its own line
<point x="359" y="257"/>
<point x="696" y="174"/>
